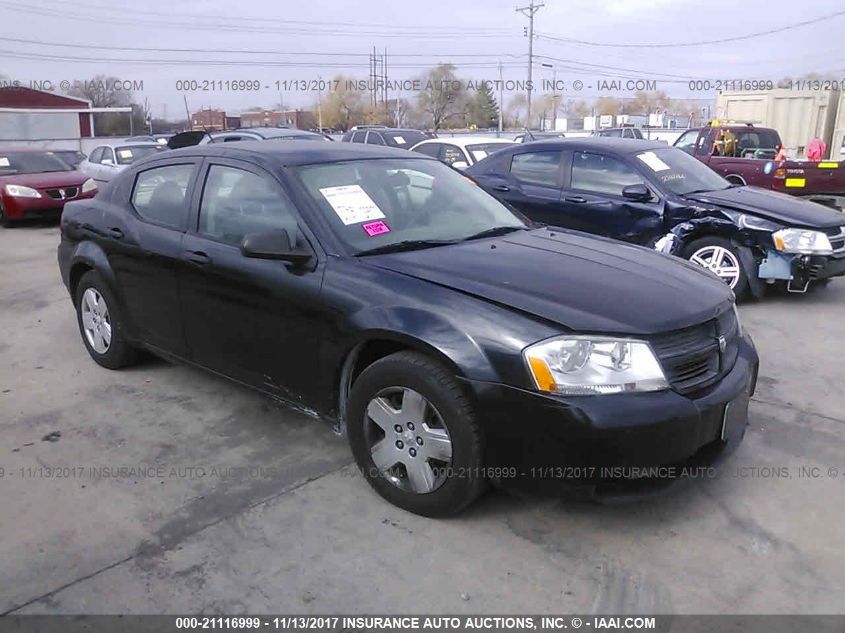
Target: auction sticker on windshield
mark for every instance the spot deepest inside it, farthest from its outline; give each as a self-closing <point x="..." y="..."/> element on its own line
<point x="352" y="204"/>
<point x="4" y="162"/>
<point x="653" y="161"/>
<point x="375" y="228"/>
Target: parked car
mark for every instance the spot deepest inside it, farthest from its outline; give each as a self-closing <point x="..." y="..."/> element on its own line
<point x="637" y="191"/>
<point x="71" y="156"/>
<point x="528" y="136"/>
<point x="378" y="135"/>
<point x="149" y="138"/>
<point x="381" y="290"/>
<point x="619" y="132"/>
<point x="463" y="151"/>
<point x="106" y="161"/>
<point x="35" y="183"/>
<point x="200" y="137"/>
<point x="747" y="155"/>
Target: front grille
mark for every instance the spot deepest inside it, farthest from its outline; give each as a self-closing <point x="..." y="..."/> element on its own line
<point x="69" y="193"/>
<point x="692" y="358"/>
<point x="837" y="239"/>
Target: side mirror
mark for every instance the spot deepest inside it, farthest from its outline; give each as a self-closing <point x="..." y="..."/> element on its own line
<point x="460" y="164"/>
<point x="638" y="193"/>
<point x="274" y="244"/>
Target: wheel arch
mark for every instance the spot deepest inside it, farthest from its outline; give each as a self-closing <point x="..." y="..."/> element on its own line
<point x="736" y="179"/>
<point x="87" y="257"/>
<point x="377" y="343"/>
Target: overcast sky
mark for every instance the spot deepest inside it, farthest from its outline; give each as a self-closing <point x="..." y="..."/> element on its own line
<point x="307" y="40"/>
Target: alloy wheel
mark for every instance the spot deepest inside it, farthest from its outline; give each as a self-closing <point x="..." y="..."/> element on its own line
<point x="408" y="440"/>
<point x="720" y="261"/>
<point x="96" y="321"/>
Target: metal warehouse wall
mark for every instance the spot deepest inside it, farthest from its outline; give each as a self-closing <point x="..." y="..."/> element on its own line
<point x="38" y="125"/>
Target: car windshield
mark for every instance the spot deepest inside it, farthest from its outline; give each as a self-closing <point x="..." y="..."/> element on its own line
<point x="481" y="150"/>
<point x="384" y="203"/>
<point x="403" y="138"/>
<point x="128" y="155"/>
<point x="679" y="172"/>
<point x="71" y="157"/>
<point x="31" y="163"/>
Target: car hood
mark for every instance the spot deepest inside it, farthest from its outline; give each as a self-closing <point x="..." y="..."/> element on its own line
<point x="772" y="205"/>
<point x="50" y="179"/>
<point x="578" y="281"/>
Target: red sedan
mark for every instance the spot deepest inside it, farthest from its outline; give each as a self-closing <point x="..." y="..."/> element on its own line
<point x="35" y="183"/>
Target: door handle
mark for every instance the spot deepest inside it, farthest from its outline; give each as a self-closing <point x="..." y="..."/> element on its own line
<point x="576" y="199"/>
<point x="115" y="232"/>
<point x="500" y="188"/>
<point x="197" y="258"/>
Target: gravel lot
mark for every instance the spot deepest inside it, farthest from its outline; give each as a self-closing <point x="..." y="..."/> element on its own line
<point x="301" y="532"/>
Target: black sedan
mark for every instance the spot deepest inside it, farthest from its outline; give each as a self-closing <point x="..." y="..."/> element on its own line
<point x="638" y="191"/>
<point x="383" y="291"/>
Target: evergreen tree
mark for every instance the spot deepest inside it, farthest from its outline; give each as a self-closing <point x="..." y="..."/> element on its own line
<point x="485" y="110"/>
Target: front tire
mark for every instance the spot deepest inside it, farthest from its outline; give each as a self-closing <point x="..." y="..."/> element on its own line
<point x="720" y="256"/>
<point x="413" y="432"/>
<point x="5" y="221"/>
<point x="101" y="324"/>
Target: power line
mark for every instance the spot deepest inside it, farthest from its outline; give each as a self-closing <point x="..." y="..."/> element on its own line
<point x="248" y="63"/>
<point x="737" y="38"/>
<point x="195" y="26"/>
<point x="263" y="19"/>
<point x="246" y="52"/>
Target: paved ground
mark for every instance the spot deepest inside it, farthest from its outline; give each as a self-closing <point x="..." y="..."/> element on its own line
<point x="302" y="532"/>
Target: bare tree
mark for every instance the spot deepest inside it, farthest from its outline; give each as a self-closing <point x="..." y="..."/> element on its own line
<point x="102" y="91"/>
<point x="442" y="94"/>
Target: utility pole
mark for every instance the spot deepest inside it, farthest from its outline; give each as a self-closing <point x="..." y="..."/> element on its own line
<point x="319" y="104"/>
<point x="554" y="94"/>
<point x="529" y="12"/>
<point x="501" y="105"/>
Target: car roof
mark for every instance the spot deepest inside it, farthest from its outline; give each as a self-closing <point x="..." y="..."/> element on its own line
<point x="463" y="141"/>
<point x="608" y="143"/>
<point x="265" y="131"/>
<point x="297" y="152"/>
<point x="114" y="144"/>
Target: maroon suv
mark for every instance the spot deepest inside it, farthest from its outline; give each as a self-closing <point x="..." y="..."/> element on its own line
<point x="37" y="183"/>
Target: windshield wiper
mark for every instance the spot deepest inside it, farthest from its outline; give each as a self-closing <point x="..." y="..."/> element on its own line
<point x="495" y="231"/>
<point x="405" y="245"/>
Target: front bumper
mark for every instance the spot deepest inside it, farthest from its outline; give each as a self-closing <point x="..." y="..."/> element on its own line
<point x="19" y="208"/>
<point x="540" y="441"/>
<point x="799" y="270"/>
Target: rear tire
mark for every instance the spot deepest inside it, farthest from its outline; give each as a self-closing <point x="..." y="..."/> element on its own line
<point x="426" y="424"/>
<point x="720" y="256"/>
<point x="101" y="323"/>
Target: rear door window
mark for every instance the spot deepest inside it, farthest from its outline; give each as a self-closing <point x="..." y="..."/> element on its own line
<point x="160" y="194"/>
<point x="451" y="154"/>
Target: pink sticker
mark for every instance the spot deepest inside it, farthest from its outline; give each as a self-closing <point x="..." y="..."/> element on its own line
<point x="375" y="228"/>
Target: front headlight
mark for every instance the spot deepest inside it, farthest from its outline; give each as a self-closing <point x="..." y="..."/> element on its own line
<point x="802" y="241"/>
<point x="587" y="365"/>
<point x="89" y="185"/>
<point x="19" y="191"/>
